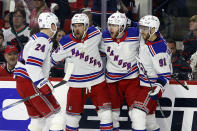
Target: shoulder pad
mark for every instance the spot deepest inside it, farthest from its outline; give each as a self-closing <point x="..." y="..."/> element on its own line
<point x="159" y="46"/>
<point x="133" y="32"/>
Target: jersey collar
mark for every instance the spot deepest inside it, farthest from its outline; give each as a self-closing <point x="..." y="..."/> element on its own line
<point x="78" y="41"/>
<point x="157" y="40"/>
<point x="121" y="39"/>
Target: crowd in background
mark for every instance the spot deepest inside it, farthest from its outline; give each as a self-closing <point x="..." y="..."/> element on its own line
<point x="17" y="27"/>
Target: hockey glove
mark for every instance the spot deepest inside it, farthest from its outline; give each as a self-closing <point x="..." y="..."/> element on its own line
<point x="45" y="87"/>
<point x="157" y="92"/>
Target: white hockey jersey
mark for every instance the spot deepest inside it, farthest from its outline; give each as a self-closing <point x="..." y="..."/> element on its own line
<point x="9" y="34"/>
<point x="155" y="62"/>
<point x="34" y="61"/>
<point x="121" y="55"/>
<point x="84" y="54"/>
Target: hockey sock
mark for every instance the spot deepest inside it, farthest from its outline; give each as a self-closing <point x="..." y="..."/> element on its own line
<point x="116" y="129"/>
<point x="106" y="127"/>
<point x="68" y="128"/>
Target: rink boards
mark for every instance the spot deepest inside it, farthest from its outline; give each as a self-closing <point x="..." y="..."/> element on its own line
<point x="179" y="106"/>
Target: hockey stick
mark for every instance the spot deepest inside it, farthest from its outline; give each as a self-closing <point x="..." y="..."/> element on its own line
<point x="28" y="98"/>
<point x="152" y="90"/>
<point x="64" y="81"/>
<point x="69" y="70"/>
<point x="184" y="86"/>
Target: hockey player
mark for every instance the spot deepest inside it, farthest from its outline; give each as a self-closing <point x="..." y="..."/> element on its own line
<point x="155" y="69"/>
<point x="87" y="79"/>
<point x="32" y="71"/>
<point x="121" y="45"/>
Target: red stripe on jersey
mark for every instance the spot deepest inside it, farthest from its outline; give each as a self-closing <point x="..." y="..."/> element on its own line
<point x="35" y="61"/>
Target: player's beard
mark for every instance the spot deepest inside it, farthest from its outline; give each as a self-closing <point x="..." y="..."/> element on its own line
<point x="114" y="35"/>
<point x="146" y="36"/>
<point x="78" y="35"/>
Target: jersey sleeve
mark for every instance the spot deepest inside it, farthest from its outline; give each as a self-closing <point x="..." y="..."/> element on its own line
<point x="35" y="59"/>
<point x="61" y="53"/>
<point x="163" y="67"/>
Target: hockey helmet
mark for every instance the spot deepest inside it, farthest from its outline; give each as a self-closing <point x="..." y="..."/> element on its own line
<point x="80" y="18"/>
<point x="150" y="21"/>
<point x="119" y="19"/>
<point x="45" y="20"/>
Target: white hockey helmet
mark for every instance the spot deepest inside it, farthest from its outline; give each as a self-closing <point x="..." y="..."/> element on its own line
<point x="80" y="19"/>
<point x="119" y="19"/>
<point x="150" y="21"/>
<point x="45" y="20"/>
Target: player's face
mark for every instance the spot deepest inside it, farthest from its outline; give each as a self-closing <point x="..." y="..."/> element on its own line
<point x="114" y="30"/>
<point x="144" y="31"/>
<point x="172" y="47"/>
<point x="193" y="25"/>
<point x="11" y="58"/>
<point x="78" y="30"/>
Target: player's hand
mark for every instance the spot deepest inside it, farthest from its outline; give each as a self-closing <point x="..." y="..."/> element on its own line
<point x="45" y="87"/>
<point x="157" y="92"/>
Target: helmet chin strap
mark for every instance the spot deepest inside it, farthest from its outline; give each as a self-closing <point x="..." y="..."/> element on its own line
<point x="53" y="31"/>
<point x="84" y="33"/>
<point x="150" y="35"/>
<point x="120" y="32"/>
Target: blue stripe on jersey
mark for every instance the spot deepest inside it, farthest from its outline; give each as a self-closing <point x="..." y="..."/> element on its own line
<point x="71" y="128"/>
<point x="19" y="71"/>
<point x="92" y="29"/>
<point x="66" y="39"/>
<point x="35" y="58"/>
<point x="106" y="125"/>
<point x="66" y="42"/>
<point x="133" y="32"/>
<point x="159" y="46"/>
<point x="40" y="34"/>
<point x="68" y="45"/>
<point x="108" y="41"/>
<point x="34" y="61"/>
<point x="38" y="81"/>
<point x="33" y="37"/>
<point x="34" y="64"/>
<point x="120" y="76"/>
<point x="132" y="35"/>
<point x="97" y="32"/>
<point x="166" y="75"/>
<point x="106" y="34"/>
<point x="86" y="77"/>
<point x="145" y="80"/>
<point x="53" y="62"/>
